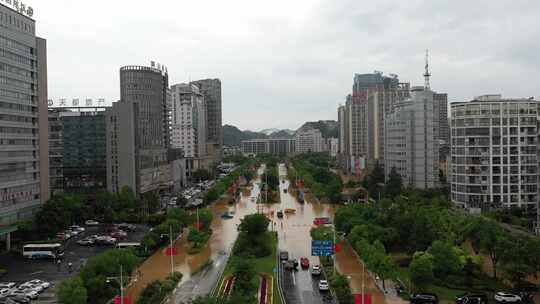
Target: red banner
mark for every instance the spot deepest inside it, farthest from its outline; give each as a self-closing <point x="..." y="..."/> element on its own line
<point x="171" y="251"/>
<point x="124" y="300"/>
<point x="337" y="248"/>
<point x="358" y="298"/>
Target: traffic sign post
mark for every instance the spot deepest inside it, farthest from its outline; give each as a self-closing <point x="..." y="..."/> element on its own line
<point x="322" y="248"/>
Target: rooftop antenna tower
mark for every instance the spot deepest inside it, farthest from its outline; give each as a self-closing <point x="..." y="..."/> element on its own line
<point x="427" y="74"/>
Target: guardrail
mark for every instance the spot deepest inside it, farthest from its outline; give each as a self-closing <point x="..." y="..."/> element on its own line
<point x="278" y="277"/>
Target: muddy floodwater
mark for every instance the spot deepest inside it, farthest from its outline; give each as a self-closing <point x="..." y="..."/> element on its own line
<point x="158" y="266"/>
<point x="293" y="231"/>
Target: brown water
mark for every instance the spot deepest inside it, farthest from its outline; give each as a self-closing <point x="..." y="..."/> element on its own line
<point x="295" y="237"/>
<point x="293" y="231"/>
<point x="158" y="266"/>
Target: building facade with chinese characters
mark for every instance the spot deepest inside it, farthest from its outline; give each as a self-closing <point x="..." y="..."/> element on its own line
<point x="24" y="169"/>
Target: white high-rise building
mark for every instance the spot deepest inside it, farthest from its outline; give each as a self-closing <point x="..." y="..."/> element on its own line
<point x="309" y="140"/>
<point x="412" y="140"/>
<point x="494" y="152"/>
<point x="188" y="120"/>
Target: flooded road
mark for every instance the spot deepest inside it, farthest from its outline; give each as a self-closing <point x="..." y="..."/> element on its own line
<point x="293" y="234"/>
<point x="294" y="237"/>
<point x="158" y="266"/>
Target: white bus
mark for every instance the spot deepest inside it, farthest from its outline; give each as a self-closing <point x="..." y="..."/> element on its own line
<point x="36" y="251"/>
<point x="128" y="245"/>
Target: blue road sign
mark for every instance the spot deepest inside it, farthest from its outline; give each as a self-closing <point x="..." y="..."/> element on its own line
<point x="322" y="248"/>
<point x="274" y="269"/>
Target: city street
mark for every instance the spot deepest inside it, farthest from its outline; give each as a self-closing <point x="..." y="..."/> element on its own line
<point x="158" y="266"/>
<point x="294" y="237"/>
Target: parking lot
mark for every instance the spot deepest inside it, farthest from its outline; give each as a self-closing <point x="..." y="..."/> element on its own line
<point x="20" y="270"/>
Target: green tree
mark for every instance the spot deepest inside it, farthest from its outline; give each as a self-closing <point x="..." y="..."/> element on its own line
<point x="254" y="225"/>
<point x="322" y="233"/>
<point x="468" y="270"/>
<point x="376" y="177"/>
<point x="445" y="259"/>
<point x="107" y="264"/>
<point x="494" y="242"/>
<point x="205" y="218"/>
<point x="72" y="291"/>
<point x="59" y="212"/>
<point x="394" y="185"/>
<point x="521" y="259"/>
<point x="421" y="269"/>
<point x="381" y="263"/>
<point x="244" y="273"/>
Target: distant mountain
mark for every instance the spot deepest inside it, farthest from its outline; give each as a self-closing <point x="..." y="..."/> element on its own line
<point x="328" y="128"/>
<point x="232" y="136"/>
<point x="269" y="131"/>
<point x="282" y="134"/>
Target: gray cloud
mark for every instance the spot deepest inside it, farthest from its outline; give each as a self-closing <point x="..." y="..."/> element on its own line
<point x="284" y="62"/>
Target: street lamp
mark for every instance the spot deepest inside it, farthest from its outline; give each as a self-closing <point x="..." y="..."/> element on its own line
<point x="120" y="279"/>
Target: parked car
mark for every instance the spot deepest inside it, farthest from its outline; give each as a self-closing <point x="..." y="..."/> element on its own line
<point x="31" y="287"/>
<point x="105" y="240"/>
<point x="91" y="223"/>
<point x="119" y="235"/>
<point x="76" y="228"/>
<point x="71" y="232"/>
<point x="7" y="285"/>
<point x="304" y="262"/>
<point x="4" y="291"/>
<point x="506" y="297"/>
<point x="127" y="227"/>
<point x="323" y="285"/>
<point x="316" y="270"/>
<point x="29" y="293"/>
<point x="279" y="214"/>
<point x="43" y="284"/>
<point x="424" y="298"/>
<point x="6" y="300"/>
<point x="284" y="255"/>
<point x="86" y="242"/>
<point x="472" y="298"/>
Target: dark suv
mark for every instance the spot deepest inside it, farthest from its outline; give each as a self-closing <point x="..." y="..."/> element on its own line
<point x="424" y="298"/>
<point x="472" y="298"/>
<point x="284" y="255"/>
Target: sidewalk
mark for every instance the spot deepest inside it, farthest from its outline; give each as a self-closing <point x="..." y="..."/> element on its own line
<point x="201" y="283"/>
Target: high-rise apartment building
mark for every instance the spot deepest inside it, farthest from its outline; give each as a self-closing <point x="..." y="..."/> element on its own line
<point x="188" y="124"/>
<point x="412" y="139"/>
<point x="24" y="160"/>
<point x="309" y="140"/>
<point x="211" y="90"/>
<point x="138" y="131"/>
<point x="362" y="118"/>
<point x="77" y="154"/>
<point x="494" y="152"/>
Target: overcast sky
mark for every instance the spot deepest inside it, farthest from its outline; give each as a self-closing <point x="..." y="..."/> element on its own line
<point x="283" y="62"/>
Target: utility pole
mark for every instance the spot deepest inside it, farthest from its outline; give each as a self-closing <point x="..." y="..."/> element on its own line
<point x="121" y="286"/>
<point x="334" y="255"/>
<point x="363" y="291"/>
<point x="171" y="248"/>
